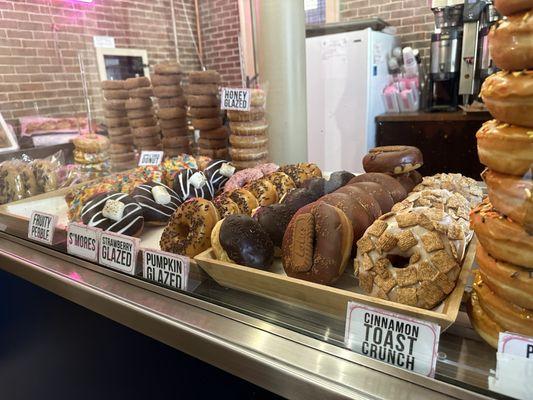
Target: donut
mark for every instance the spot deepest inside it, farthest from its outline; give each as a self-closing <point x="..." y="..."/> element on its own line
<point x="408" y="180"/>
<point x="215" y="153"/>
<point x="91" y="143"/>
<point x="511" y="196"/>
<point x="117" y="105"/>
<point x="133" y="83"/>
<point x="393" y="159"/>
<point x="244" y="200"/>
<point x="505" y="148"/>
<point x="315" y="185"/>
<point x="208" y="76"/>
<point x="189" y="230"/>
<point x="167" y="68"/>
<point x="355" y="212"/>
<point x="241" y="178"/>
<point x="118" y="148"/>
<point x="337" y="180"/>
<point x="204" y="112"/>
<point x="112" y="85"/>
<point x="241" y="240"/>
<point x="207" y="123"/>
<point x="114" y="212"/>
<point x="116" y="94"/>
<point x="147" y="141"/>
<point x="142" y="122"/>
<point x="172" y="123"/>
<point x="123" y="158"/>
<point x="255" y="114"/>
<point x="511" y="42"/>
<point x="202" y="101"/>
<point x="89" y="158"/>
<point x="395" y="189"/>
<point x="252" y="141"/>
<point x="379" y="193"/>
<point x="455" y="183"/>
<point x="179" y="101"/>
<point x="249" y="164"/>
<point x="510" y="282"/>
<point x="175" y="132"/>
<point x="299" y="198"/>
<point x="117" y="122"/>
<point x="146" y="131"/>
<point x="317" y="244"/>
<point x="245" y="154"/>
<point x="115" y="113"/>
<point x="171" y="113"/>
<point x="249" y="128"/>
<point x="502" y="237"/>
<point x="487" y="328"/>
<point x="141" y="93"/>
<point x="508" y="316"/>
<point x="158" y="79"/>
<point x="258" y="98"/>
<point x="282" y="182"/>
<point x="264" y="191"/>
<point x="369" y="203"/>
<point x="509" y="7"/>
<point x="410" y="257"/>
<point x="164" y="91"/>
<point x="225" y="206"/>
<point x="140" y="113"/>
<point x="212" y="143"/>
<point x="202" y="89"/>
<point x="157" y="200"/>
<point x="217" y="133"/>
<point x="299" y="173"/>
<point x="274" y="219"/>
<point x="218" y="172"/>
<point x="136" y="103"/>
<point x="191" y="183"/>
<point x="508" y="96"/>
<point x="122" y="139"/>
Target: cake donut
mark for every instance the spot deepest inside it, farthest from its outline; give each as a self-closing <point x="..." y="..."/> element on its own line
<point x="157" y="200"/>
<point x="191" y="183"/>
<point x="487" y="328"/>
<point x="509" y="7"/>
<point x="355" y="212"/>
<point x="337" y="180"/>
<point x="317" y="244"/>
<point x="114" y="212"/>
<point x="218" y="172"/>
<point x="301" y="172"/>
<point x="240" y="239"/>
<point x="393" y="159"/>
<point x="505" y="148"/>
<point x="241" y="178"/>
<point x="395" y="189"/>
<point x="264" y="191"/>
<point x="225" y="206"/>
<point x="501" y="237"/>
<point x="379" y="193"/>
<point x="511" y="42"/>
<point x="282" y="182"/>
<point x="189" y="230"/>
<point x="408" y="180"/>
<point x="244" y="200"/>
<point x="411" y="257"/>
<point x="455" y="183"/>
<point x="509" y="97"/>
<point x="369" y="203"/>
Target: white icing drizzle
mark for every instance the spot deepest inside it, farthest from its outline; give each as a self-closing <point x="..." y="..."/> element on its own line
<point x="97" y="219"/>
<point x="189" y="191"/>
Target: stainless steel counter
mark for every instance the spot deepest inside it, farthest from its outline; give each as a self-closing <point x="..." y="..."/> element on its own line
<point x="290" y="351"/>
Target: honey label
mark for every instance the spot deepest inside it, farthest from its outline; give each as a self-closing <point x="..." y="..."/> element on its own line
<point x="235" y="99"/>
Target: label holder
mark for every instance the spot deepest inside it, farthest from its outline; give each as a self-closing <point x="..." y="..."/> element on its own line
<point x="36" y="232"/>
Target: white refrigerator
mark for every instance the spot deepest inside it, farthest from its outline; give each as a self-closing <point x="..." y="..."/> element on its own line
<point x="346" y="73"/>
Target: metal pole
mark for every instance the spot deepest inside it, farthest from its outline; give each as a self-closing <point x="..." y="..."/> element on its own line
<point x="199" y="34"/>
<point x="174" y="30"/>
<point x="85" y="92"/>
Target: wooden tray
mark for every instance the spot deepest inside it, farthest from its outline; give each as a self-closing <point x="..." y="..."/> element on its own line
<point x="275" y="284"/>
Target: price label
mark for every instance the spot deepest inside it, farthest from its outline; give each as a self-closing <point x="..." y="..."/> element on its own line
<point x="166" y="268"/>
<point x="235" y="99"/>
<point x="396" y="339"/>
<point x="118" y="252"/>
<point x="41" y="227"/>
<point x="82" y="241"/>
<point x="515" y="344"/>
<point x="150" y="158"/>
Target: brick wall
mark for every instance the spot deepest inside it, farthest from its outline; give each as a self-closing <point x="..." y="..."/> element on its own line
<point x="40" y="41"/>
<point x="413" y="18"/>
<point x="220" y="31"/>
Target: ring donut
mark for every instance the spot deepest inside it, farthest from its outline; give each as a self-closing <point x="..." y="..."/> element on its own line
<point x="244" y="200"/>
<point x="208" y="76"/>
<point x="225" y="206"/>
<point x="189" y="230"/>
<point x="393" y="159"/>
<point x="282" y="182"/>
<point x="255" y="114"/>
<point x="171" y="113"/>
<point x="133" y="83"/>
<point x="380" y="194"/>
<point x="112" y="85"/>
<point x="202" y="89"/>
<point x="395" y="189"/>
<point x="117" y="105"/>
<point x="168" y="102"/>
<point x="204" y="112"/>
<point x="138" y="103"/>
<point x="116" y="94"/>
<point x="301" y="172"/>
<point x="159" y="80"/>
<point x="264" y="191"/>
<point x="254" y="128"/>
<point x="122" y="139"/>
<point x="167" y="68"/>
<point x="511" y="41"/>
<point x="248" y="141"/>
<point x="173" y="123"/>
<point x="141" y="93"/>
<point x="487" y="328"/>
<point x="146" y="131"/>
<point x="140" y="113"/>
<point x="207" y="123"/>
<point x="142" y="122"/>
<point x="202" y="101"/>
<point x="212" y="143"/>
<point x="173" y="132"/>
<point x="167" y="91"/>
<point x="455" y="183"/>
<point x="115" y="113"/>
<point x="248" y="154"/>
<point x="217" y="133"/>
<point x="117" y="122"/>
<point x="369" y="203"/>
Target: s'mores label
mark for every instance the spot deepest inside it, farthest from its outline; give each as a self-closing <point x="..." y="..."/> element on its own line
<point x="235" y="99"/>
<point x="396" y="339"/>
<point x="149" y="157"/>
<point x="166" y="268"/>
<point x="41" y="227"/>
<point x="82" y="241"/>
<point x="118" y="252"/>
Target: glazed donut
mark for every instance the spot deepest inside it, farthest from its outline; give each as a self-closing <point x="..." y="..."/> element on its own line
<point x="255" y="114"/>
<point x="249" y="128"/>
<point x="483" y="325"/>
<point x="114" y="212"/>
<point x="137" y="103"/>
<point x="511" y="196"/>
<point x="218" y="172"/>
<point x="157" y="200"/>
<point x="241" y="178"/>
<point x="379" y="193"/>
<point x="501" y="237"/>
<point x="369" y="203"/>
<point x="403" y="257"/>
<point x="179" y="101"/>
<point x="258" y="98"/>
<point x="248" y="154"/>
<point x="455" y="183"/>
<point x="202" y="101"/>
<point x="207" y="123"/>
<point x="264" y="191"/>
<point x="171" y="113"/>
<point x="509" y="7"/>
<point x="112" y="85"/>
<point x="511" y="42"/>
<point x="251" y="141"/>
<point x="357" y="215"/>
<point x="225" y="206"/>
<point x="509" y="97"/>
<point x="202" y="89"/>
<point x="191" y="183"/>
<point x="116" y="94"/>
<point x="244" y="200"/>
<point x="409" y="180"/>
<point x="204" y="112"/>
<point x="208" y="76"/>
<point x="393" y="159"/>
<point x="172" y="123"/>
<point x="505" y="148"/>
<point x="301" y="172"/>
<point x="167" y="68"/>
<point x="283" y="183"/>
<point x="510" y="282"/>
<point x="241" y="240"/>
<point x="508" y="316"/>
<point x="167" y="91"/>
<point x="158" y="79"/>
<point x="395" y="189"/>
<point x="189" y="230"/>
<point x="141" y="93"/>
<point x="132" y="83"/>
<point x="317" y="244"/>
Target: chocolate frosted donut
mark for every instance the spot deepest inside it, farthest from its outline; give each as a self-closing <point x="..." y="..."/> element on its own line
<point x="114" y="212"/>
<point x="274" y="220"/>
<point x="354" y="211"/>
<point x="191" y="183"/>
<point x="393" y="159"/>
<point x="408" y="180"/>
<point x="240" y="239"/>
<point x="218" y="173"/>
<point x="395" y="189"/>
<point x="337" y="180"/>
<point x="300" y="197"/>
<point x="377" y="191"/>
<point x="369" y="203"/>
<point x="316" y="185"/>
<point x="157" y="200"/>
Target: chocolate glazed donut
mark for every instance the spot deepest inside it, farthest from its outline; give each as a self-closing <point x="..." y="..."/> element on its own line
<point x="354" y="211"/>
<point x="408" y="180"/>
<point x="379" y="193"/>
<point x="395" y="189"/>
<point x="368" y="202"/>
<point x="393" y="159"/>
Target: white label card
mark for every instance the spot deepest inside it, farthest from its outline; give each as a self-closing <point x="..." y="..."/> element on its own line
<point x="396" y="339"/>
<point x="118" y="252"/>
<point x="515" y="344"/>
<point x="166" y="268"/>
<point x="104" y="41"/>
<point x="310" y="5"/>
<point x="83" y="240"/>
<point x="235" y="99"/>
<point x="150" y="158"/>
<point x="41" y="227"/>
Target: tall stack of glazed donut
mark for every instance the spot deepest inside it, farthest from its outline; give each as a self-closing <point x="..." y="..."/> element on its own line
<point x="502" y="299"/>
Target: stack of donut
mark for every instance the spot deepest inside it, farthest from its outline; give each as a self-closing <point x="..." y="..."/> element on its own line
<point x="139" y="106"/>
<point x="171" y="112"/>
<point x="204" y="110"/>
<point x="503" y="288"/>
<point x="248" y="139"/>
<point x="121" y="150"/>
<point x="91" y="153"/>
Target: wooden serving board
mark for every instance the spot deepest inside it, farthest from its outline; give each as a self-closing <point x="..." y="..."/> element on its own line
<point x="332" y="300"/>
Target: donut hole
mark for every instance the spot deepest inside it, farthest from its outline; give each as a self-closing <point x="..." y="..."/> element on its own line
<point x="398" y="261"/>
<point x="183" y="230"/>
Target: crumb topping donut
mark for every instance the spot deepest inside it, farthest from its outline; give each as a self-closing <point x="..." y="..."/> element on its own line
<point x="189" y="230"/>
<point x="509" y="7"/>
<point x="411" y="257"/>
<point x="317" y="244"/>
<point x="395" y="189"/>
<point x="501" y="237"/>
<point x="282" y="182"/>
<point x="225" y="206"/>
<point x="264" y="191"/>
<point x="191" y="183"/>
<point x="393" y="159"/>
<point x="505" y="148"/>
<point x="455" y="183"/>
<point x="157" y="200"/>
<point x="114" y="212"/>
<point x="511" y="42"/>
